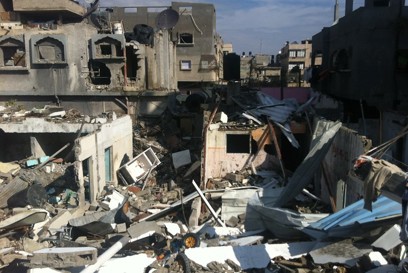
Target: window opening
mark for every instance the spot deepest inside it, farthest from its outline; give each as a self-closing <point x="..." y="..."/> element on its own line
<point x="238" y="144"/>
<point x="108" y="165"/>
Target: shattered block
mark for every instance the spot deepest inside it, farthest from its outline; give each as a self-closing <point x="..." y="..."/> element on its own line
<point x="234" y="177"/>
<point x="221" y="117"/>
<point x="62" y="257"/>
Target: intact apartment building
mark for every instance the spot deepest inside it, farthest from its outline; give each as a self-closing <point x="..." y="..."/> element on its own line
<point x="362" y="61"/>
<point x="295" y="58"/>
<point x="199" y="48"/>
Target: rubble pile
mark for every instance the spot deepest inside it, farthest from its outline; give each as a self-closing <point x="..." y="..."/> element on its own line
<point x="162" y="216"/>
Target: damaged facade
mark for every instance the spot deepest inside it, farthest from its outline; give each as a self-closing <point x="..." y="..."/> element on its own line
<point x="108" y="68"/>
<point x="96" y="147"/>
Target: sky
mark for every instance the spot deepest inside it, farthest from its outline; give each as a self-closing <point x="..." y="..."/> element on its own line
<point x="261" y="26"/>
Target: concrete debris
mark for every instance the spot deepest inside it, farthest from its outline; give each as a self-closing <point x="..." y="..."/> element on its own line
<point x="159" y="198"/>
<point x="62" y="257"/>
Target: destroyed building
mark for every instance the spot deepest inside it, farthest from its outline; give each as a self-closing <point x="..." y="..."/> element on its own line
<point x="96" y="147"/>
<point x="199" y="48"/>
<point x="42" y="59"/>
<point x="228" y="180"/>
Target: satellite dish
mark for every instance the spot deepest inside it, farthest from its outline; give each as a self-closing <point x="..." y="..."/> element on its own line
<point x="167" y="19"/>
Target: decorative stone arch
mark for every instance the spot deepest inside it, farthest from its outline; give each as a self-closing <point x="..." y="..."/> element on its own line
<point x="12" y="52"/>
<point x="48" y="50"/>
<point x="340" y="60"/>
<point x="108" y="47"/>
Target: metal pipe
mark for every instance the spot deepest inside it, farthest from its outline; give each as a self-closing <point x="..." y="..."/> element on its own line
<point x="208" y="205"/>
<point x="107" y="255"/>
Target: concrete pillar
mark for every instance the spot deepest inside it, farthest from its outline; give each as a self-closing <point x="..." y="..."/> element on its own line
<point x="349" y="7"/>
<point x="36" y="149"/>
<point x="80" y="179"/>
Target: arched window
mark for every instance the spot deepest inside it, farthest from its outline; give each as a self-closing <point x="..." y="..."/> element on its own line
<point x="12" y="53"/>
<point x="108" y="48"/>
<point x="48" y="50"/>
<point x="340" y="60"/>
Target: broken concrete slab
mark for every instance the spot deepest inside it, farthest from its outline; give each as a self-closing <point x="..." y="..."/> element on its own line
<point x="24" y="218"/>
<point x="143" y="229"/>
<point x="128" y="264"/>
<point x="16" y="185"/>
<point x="34" y="195"/>
<point x="258" y="256"/>
<point x="377" y="258"/>
<point x="31" y="246"/>
<point x="244" y="241"/>
<point x="221" y="117"/>
<point x="344" y="252"/>
<point x="63" y="257"/>
<point x="58" y="221"/>
<point x="390" y="239"/>
<point x="172" y="228"/>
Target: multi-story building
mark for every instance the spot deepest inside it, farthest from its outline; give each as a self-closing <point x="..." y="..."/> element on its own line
<point x="362" y="61"/>
<point x="101" y="59"/>
<point x="295" y="58"/>
<point x="199" y="47"/>
<point x="364" y="56"/>
<point x="258" y="70"/>
<point x="59" y="52"/>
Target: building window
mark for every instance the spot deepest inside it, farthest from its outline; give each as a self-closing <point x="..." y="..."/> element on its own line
<point x="188" y="10"/>
<point x="185" y="65"/>
<point x="107" y="47"/>
<point x="340" y="60"/>
<point x="12" y="53"/>
<point x="301" y="53"/>
<point x="88" y="178"/>
<point x="238" y="144"/>
<point x="293" y="65"/>
<point x="108" y="165"/>
<point x="292" y="54"/>
<point x="48" y="50"/>
<point x="318" y="59"/>
<point x="204" y="65"/>
<point x="185" y="39"/>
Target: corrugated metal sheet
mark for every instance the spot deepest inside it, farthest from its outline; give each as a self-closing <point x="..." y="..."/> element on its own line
<point x="355" y="213"/>
<point x="234" y="202"/>
<point x="277" y="110"/>
<point x="347" y="145"/>
<point x="304" y="173"/>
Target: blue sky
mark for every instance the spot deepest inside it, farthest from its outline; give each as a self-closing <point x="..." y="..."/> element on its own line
<point x="261" y="26"/>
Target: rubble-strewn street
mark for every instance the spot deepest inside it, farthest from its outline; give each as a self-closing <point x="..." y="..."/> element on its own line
<point x="166" y="210"/>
